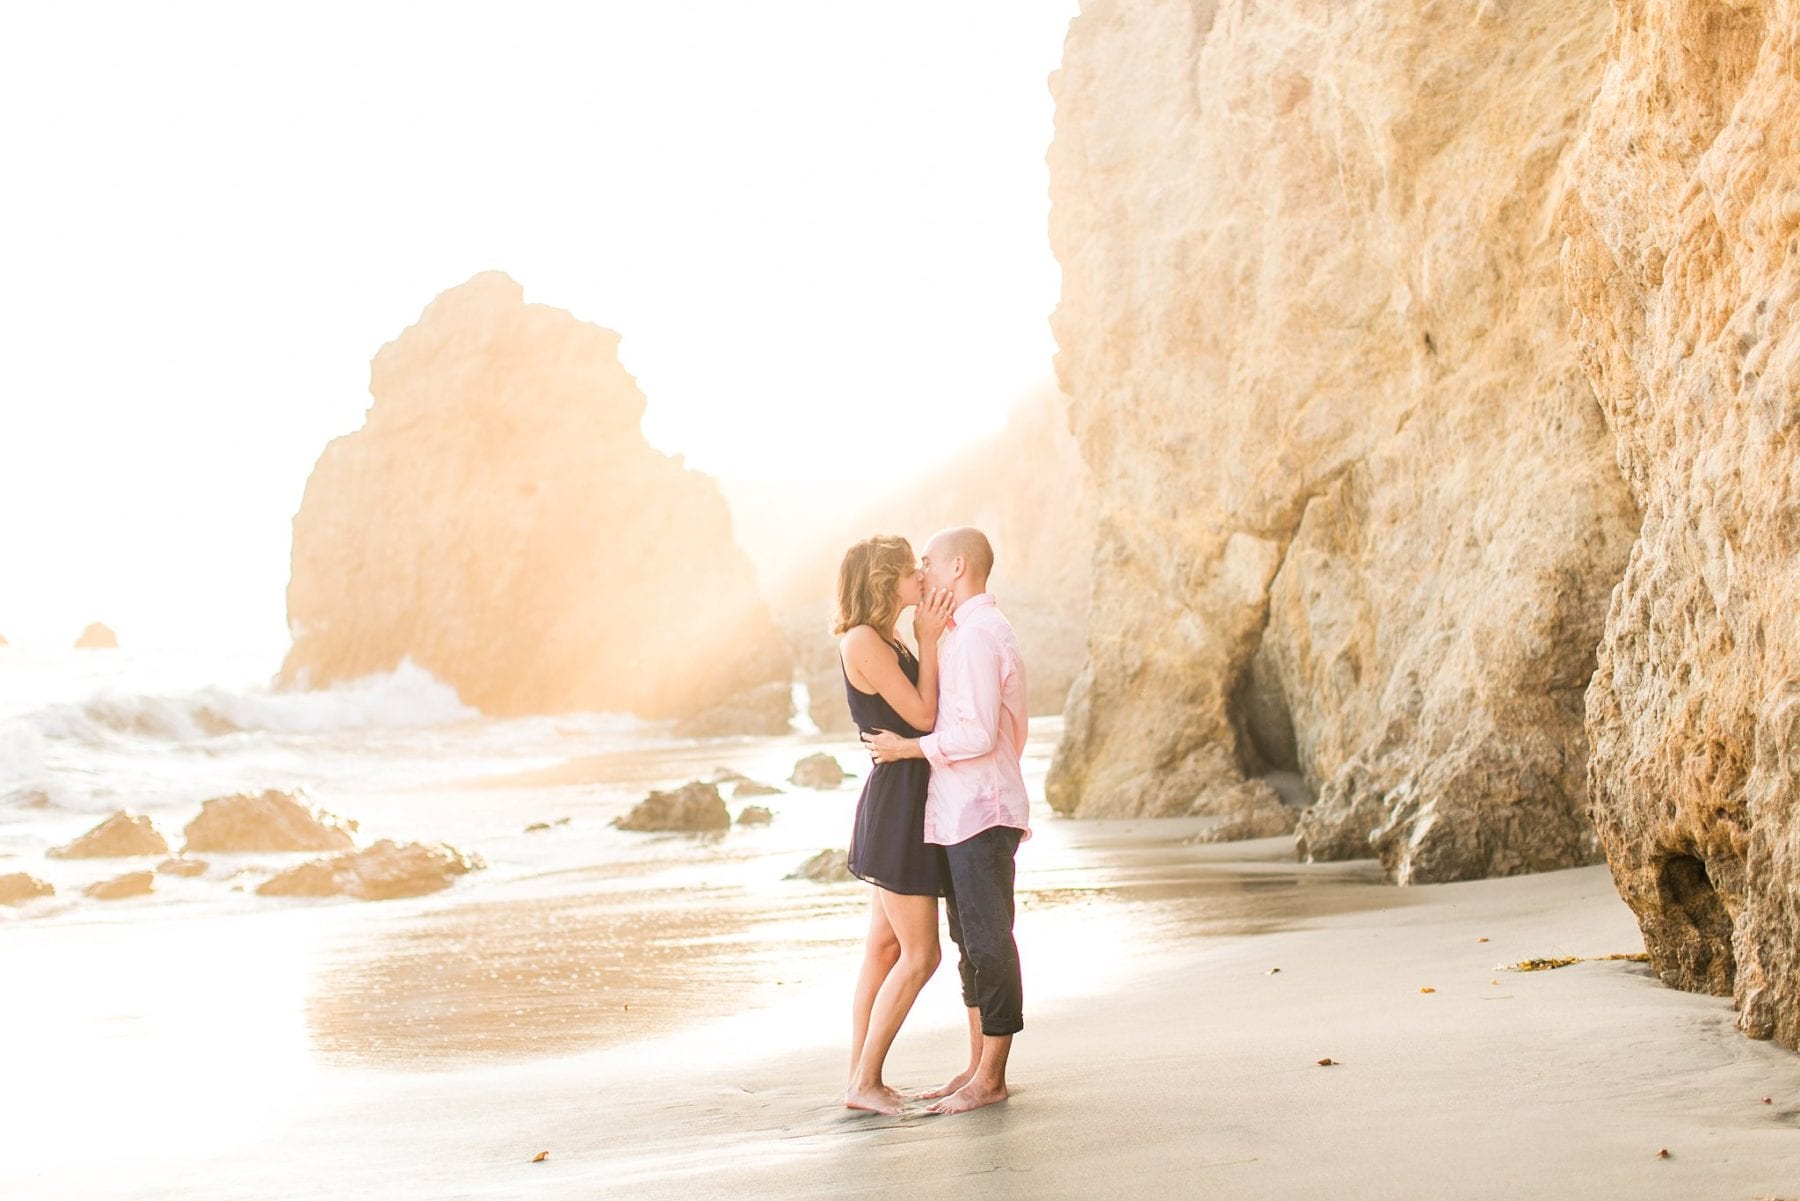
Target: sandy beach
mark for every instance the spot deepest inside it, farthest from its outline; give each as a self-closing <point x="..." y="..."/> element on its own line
<point x="674" y="1027"/>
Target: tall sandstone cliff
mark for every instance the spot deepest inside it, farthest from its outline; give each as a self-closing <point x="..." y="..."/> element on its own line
<point x="500" y="519"/>
<point x="1357" y="513"/>
<point x="1683" y="265"/>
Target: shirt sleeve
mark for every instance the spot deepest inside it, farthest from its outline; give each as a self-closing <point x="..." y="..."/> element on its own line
<point x="969" y="709"/>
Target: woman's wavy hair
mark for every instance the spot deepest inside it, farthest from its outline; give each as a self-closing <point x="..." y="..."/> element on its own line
<point x="868" y="592"/>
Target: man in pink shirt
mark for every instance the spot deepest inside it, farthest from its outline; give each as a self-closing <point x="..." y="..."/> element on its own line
<point x="975" y="807"/>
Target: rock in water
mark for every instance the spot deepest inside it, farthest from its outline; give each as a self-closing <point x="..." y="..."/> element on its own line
<point x="16" y="887"/>
<point x="97" y="637"/>
<point x="181" y="867"/>
<point x="272" y="821"/>
<point x="818" y="771"/>
<point x="693" y="808"/>
<point x="1358" y="515"/>
<point x="382" y="872"/>
<point x="754" y="815"/>
<point x="745" y="788"/>
<point x="131" y="884"/>
<point x="827" y="867"/>
<point x="1683" y="267"/>
<point x="501" y="520"/>
<point x="118" y="837"/>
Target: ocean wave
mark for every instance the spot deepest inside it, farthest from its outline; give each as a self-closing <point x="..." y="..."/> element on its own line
<point x="21" y="757"/>
<point x="407" y="697"/>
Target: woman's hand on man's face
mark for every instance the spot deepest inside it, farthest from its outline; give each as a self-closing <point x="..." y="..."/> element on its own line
<point x="932" y="613"/>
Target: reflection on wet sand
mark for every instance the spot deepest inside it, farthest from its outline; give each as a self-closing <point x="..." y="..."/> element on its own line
<point x="544" y="976"/>
<point x="602" y="965"/>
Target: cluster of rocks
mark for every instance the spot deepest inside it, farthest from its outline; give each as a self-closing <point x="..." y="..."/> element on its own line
<point x="272" y="821"/>
<point x="697" y="808"/>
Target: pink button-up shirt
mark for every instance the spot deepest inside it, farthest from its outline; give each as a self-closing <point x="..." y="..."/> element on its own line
<point x="974" y="752"/>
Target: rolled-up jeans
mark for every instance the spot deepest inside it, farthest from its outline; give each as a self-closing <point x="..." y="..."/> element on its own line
<point x="979" y="901"/>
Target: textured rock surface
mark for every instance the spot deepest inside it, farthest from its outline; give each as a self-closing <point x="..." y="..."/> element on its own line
<point x="827" y="867"/>
<point x="131" y="884"/>
<point x="1357" y="509"/>
<point x="97" y="637"/>
<point x="1683" y="265"/>
<point x="271" y="821"/>
<point x="818" y="771"/>
<point x="766" y="710"/>
<point x="118" y="837"/>
<point x="16" y="887"/>
<point x="694" y="808"/>
<point x="501" y="520"/>
<point x="1252" y="810"/>
<point x="381" y="872"/>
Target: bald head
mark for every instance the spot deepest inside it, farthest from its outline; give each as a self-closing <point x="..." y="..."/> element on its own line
<point x="960" y="559"/>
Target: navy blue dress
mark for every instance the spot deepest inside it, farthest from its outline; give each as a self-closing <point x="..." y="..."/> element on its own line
<point x="887" y="842"/>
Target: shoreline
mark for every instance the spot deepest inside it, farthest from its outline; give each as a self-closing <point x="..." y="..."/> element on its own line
<point x="1163" y="1029"/>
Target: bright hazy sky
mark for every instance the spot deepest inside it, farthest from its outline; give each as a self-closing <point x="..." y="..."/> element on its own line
<point x="807" y="220"/>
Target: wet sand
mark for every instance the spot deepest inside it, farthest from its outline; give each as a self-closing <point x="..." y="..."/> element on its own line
<point x="674" y="1027"/>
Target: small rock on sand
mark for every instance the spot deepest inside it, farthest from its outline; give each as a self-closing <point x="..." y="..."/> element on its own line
<point x="693" y="808"/>
<point x="272" y="821"/>
<point x="827" y="867"/>
<point x="131" y="884"/>
<point x="818" y="771"/>
<point x="97" y="637"/>
<point x="118" y="837"/>
<point x="17" y="887"/>
<point x="382" y="872"/>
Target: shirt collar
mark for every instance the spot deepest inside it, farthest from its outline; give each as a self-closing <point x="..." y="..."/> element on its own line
<point x="979" y="600"/>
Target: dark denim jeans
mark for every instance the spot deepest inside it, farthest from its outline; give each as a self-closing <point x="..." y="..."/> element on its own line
<point x="979" y="900"/>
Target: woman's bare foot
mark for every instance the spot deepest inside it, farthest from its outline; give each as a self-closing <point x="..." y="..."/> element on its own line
<point x="875" y="1098"/>
<point x="970" y="1096"/>
<point x="943" y="1090"/>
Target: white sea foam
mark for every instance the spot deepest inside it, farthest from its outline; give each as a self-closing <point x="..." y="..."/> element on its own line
<point x="21" y="757"/>
<point x="407" y="697"/>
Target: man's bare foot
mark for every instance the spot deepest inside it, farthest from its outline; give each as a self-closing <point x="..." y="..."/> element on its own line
<point x="943" y="1090"/>
<point x="969" y="1096"/>
<point x="877" y="1098"/>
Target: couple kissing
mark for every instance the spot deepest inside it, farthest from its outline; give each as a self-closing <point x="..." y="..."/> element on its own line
<point x="943" y="809"/>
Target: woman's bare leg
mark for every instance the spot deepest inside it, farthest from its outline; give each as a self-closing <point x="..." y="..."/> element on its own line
<point x="914" y="922"/>
<point x="881" y="950"/>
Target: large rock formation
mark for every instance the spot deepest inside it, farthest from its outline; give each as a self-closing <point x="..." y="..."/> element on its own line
<point x="1683" y="265"/>
<point x="501" y="520"/>
<point x="1357" y="512"/>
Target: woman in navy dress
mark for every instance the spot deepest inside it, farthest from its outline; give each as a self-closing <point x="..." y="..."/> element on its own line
<point x="890" y="689"/>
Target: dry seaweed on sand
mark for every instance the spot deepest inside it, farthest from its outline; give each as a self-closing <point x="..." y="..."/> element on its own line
<point x="1552" y="963"/>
